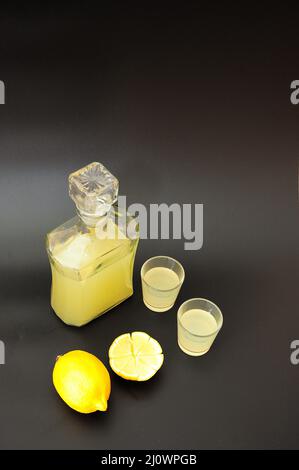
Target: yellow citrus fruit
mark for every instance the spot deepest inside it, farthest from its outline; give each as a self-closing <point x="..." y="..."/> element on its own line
<point x="82" y="381"/>
<point x="135" y="356"/>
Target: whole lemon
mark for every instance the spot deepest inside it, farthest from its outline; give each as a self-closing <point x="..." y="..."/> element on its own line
<point x="82" y="381"/>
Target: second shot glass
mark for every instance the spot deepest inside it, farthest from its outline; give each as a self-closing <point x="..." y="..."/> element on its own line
<point x="162" y="278"/>
<point x="199" y="322"/>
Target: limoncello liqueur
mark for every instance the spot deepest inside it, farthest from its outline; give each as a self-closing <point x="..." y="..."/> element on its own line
<point x="91" y="255"/>
<point x="160" y="288"/>
<point x="203" y="325"/>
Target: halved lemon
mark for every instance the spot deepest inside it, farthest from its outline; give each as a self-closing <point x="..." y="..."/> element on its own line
<point x="135" y="356"/>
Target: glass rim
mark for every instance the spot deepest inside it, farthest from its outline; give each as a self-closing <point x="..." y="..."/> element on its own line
<point x="179" y="315"/>
<point x="167" y="257"/>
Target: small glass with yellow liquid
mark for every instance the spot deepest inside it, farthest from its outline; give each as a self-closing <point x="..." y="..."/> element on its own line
<point x="199" y="322"/>
<point x="162" y="278"/>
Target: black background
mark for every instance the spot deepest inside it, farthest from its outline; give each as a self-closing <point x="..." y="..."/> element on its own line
<point x="188" y="106"/>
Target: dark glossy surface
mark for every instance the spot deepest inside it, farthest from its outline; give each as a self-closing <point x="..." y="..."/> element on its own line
<point x="181" y="107"/>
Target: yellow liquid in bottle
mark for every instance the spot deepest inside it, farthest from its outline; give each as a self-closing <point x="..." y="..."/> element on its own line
<point x="90" y="276"/>
<point x="196" y="331"/>
<point x="160" y="288"/>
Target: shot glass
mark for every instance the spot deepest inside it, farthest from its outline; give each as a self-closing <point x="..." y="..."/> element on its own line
<point x="199" y="322"/>
<point x="162" y="278"/>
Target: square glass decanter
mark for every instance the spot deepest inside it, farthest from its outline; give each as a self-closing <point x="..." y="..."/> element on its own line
<point x="92" y="255"/>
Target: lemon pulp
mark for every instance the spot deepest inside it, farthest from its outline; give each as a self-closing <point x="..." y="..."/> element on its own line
<point x="135" y="356"/>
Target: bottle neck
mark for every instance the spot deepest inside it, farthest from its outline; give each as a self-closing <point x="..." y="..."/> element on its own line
<point x="93" y="221"/>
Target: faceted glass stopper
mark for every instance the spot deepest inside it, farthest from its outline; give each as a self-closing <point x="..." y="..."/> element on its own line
<point x="93" y="189"/>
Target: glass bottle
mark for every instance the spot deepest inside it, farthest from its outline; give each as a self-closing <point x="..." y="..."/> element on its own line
<point x="92" y="255"/>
